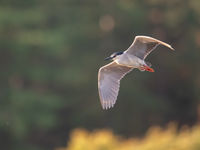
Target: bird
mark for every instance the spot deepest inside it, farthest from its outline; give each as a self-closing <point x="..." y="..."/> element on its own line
<point x="109" y="76"/>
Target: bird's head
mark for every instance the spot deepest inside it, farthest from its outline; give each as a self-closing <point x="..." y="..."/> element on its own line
<point x="114" y="56"/>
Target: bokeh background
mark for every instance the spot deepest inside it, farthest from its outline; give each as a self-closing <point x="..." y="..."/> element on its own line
<point x="50" y="53"/>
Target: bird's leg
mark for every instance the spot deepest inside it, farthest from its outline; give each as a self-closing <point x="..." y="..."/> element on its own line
<point x="146" y="68"/>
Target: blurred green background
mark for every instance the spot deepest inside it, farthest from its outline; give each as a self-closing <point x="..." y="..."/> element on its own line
<point x="50" y="53"/>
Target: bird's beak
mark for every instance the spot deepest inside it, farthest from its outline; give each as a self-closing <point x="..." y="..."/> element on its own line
<point x="108" y="58"/>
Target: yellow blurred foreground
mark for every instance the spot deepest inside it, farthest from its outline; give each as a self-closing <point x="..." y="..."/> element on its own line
<point x="155" y="139"/>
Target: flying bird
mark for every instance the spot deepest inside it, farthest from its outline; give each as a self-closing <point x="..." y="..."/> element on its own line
<point x="109" y="76"/>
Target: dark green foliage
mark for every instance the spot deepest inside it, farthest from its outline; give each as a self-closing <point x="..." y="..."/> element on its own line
<point x="50" y="53"/>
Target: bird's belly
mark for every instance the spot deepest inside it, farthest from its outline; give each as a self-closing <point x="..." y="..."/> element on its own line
<point x="129" y="61"/>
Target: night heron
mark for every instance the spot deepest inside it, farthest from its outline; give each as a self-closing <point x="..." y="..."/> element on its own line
<point x="109" y="76"/>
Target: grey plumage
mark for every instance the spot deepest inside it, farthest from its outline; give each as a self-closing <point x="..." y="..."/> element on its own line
<point x="109" y="81"/>
<point x="109" y="76"/>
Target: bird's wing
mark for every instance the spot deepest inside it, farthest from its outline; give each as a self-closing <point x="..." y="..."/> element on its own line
<point x="109" y="77"/>
<point x="143" y="45"/>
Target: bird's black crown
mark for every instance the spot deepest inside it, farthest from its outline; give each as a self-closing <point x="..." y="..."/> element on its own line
<point x="114" y="55"/>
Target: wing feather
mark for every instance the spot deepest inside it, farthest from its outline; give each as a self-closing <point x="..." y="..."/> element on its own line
<point x="142" y="46"/>
<point x="109" y="77"/>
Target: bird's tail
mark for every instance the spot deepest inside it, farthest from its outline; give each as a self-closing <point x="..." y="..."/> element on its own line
<point x="148" y="63"/>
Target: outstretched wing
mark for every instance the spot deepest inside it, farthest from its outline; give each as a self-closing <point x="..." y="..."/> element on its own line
<point x="143" y="45"/>
<point x="109" y="77"/>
